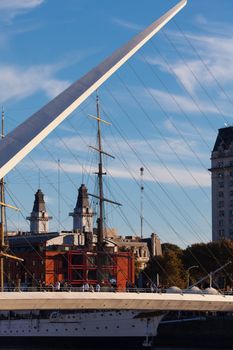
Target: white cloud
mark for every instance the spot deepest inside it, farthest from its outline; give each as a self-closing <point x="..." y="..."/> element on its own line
<point x="147" y="149"/>
<point x="20" y="83"/>
<point x="126" y="24"/>
<point x="201" y="20"/>
<point x="156" y="172"/>
<point x="19" y="4"/>
<point x="203" y="65"/>
<point x="216" y="28"/>
<point x="216" y="55"/>
<point x="174" y="126"/>
<point x="170" y="102"/>
<point x="201" y="79"/>
<point x="11" y="8"/>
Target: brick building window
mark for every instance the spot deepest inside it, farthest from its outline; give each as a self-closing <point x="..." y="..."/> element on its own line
<point x="221" y="184"/>
<point x="221" y="213"/>
<point x="221" y="194"/>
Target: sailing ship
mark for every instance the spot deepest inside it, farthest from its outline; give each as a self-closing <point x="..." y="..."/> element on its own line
<point x="84" y="258"/>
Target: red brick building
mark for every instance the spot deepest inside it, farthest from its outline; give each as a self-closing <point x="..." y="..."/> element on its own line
<point x="65" y="256"/>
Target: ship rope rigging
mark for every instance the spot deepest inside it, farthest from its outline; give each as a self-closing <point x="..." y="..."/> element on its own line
<point x="101" y="228"/>
<point x="3" y="246"/>
<point x="187" y="221"/>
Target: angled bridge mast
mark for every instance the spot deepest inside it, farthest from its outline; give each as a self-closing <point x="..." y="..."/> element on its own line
<point x="24" y="138"/>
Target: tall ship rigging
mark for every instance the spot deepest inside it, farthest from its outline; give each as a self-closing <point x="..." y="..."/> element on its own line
<point x="83" y="260"/>
<point x="67" y="256"/>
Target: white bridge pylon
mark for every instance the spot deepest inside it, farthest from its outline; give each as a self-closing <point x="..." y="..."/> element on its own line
<point x="24" y="138"/>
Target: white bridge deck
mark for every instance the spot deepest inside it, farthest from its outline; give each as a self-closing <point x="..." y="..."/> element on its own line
<point x="114" y="301"/>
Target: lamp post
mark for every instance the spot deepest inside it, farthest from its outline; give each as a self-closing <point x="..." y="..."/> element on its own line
<point x="188" y="273"/>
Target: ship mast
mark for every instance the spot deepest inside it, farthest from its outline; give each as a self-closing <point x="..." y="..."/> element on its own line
<point x="2" y="199"/>
<point x="3" y="245"/>
<point x="141" y="200"/>
<point x="100" y="220"/>
<point x="100" y="174"/>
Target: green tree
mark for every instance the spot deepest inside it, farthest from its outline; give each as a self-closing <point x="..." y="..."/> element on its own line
<point x="169" y="266"/>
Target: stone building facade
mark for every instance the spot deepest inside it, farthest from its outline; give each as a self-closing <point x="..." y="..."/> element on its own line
<point x="222" y="185"/>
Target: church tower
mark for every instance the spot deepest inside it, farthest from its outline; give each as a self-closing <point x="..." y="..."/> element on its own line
<point x="82" y="214"/>
<point x="39" y="219"/>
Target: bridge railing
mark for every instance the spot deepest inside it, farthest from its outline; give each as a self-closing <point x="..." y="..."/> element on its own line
<point x="112" y="290"/>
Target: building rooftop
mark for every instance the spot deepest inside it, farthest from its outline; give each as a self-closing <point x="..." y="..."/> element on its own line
<point x="39" y="203"/>
<point x="224" y="138"/>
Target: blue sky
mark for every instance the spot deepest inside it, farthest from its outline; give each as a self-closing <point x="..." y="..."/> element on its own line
<point x="165" y="107"/>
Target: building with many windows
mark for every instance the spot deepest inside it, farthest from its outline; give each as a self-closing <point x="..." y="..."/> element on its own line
<point x="222" y="185"/>
<point x="72" y="256"/>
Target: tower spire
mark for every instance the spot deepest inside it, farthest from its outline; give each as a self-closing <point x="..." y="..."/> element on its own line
<point x="83" y="213"/>
<point x="39" y="217"/>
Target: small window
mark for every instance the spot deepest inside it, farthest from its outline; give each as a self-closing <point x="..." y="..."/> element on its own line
<point x="220" y="204"/>
<point x="221" y="223"/>
<point x="221" y="194"/>
<point x="221" y="233"/>
<point x="221" y="184"/>
<point x="221" y="213"/>
<point x="220" y="175"/>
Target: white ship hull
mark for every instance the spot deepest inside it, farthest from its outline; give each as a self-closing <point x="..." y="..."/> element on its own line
<point x="88" y="324"/>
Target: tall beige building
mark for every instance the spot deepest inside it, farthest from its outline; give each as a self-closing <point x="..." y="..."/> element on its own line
<point x="222" y="185"/>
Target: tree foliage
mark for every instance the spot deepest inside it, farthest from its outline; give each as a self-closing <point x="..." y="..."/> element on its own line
<point x="174" y="265"/>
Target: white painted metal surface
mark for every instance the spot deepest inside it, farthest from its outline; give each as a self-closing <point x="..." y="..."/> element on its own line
<point x="17" y="144"/>
<point x="114" y="301"/>
<point x="79" y="324"/>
